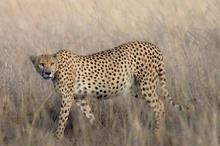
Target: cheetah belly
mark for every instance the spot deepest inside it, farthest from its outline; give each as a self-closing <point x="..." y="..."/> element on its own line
<point x="102" y="90"/>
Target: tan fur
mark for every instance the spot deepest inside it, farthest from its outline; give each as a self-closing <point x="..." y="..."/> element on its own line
<point x="134" y="65"/>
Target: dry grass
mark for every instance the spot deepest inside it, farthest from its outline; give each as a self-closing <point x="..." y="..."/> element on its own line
<point x="187" y="32"/>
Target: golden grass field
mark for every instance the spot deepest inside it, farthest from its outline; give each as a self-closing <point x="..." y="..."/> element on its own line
<point x="187" y="32"/>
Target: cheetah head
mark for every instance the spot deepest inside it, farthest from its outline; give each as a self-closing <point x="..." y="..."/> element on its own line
<point x="46" y="65"/>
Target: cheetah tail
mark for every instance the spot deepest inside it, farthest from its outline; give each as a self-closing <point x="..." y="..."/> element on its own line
<point x="162" y="78"/>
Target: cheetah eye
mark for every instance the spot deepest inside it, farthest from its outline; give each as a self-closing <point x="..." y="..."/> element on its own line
<point x="41" y="64"/>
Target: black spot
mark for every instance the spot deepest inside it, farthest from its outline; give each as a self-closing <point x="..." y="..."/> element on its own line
<point x="148" y="101"/>
<point x="83" y="104"/>
<point x="180" y="108"/>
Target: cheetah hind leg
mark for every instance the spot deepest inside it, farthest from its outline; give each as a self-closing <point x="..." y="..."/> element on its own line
<point x="157" y="106"/>
<point x="134" y="89"/>
<point x="159" y="121"/>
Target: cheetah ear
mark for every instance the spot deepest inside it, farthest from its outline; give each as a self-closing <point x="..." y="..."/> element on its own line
<point x="33" y="59"/>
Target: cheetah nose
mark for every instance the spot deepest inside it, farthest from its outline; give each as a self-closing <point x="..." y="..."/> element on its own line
<point x="48" y="73"/>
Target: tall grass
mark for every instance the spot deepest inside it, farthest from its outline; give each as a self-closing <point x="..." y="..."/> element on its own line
<point x="187" y="32"/>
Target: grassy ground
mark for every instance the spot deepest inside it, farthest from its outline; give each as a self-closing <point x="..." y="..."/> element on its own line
<point x="187" y="32"/>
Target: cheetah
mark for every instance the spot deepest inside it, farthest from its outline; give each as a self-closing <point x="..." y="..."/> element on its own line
<point x="104" y="75"/>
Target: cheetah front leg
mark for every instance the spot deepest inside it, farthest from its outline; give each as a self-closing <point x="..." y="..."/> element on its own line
<point x="63" y="116"/>
<point x="85" y="108"/>
<point x="64" y="113"/>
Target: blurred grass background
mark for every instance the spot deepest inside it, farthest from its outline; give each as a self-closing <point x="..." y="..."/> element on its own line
<point x="187" y="32"/>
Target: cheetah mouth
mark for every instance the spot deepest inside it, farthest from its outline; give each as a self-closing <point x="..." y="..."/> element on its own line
<point x="46" y="78"/>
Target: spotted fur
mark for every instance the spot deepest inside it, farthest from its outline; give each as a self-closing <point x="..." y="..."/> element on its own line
<point x="106" y="74"/>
